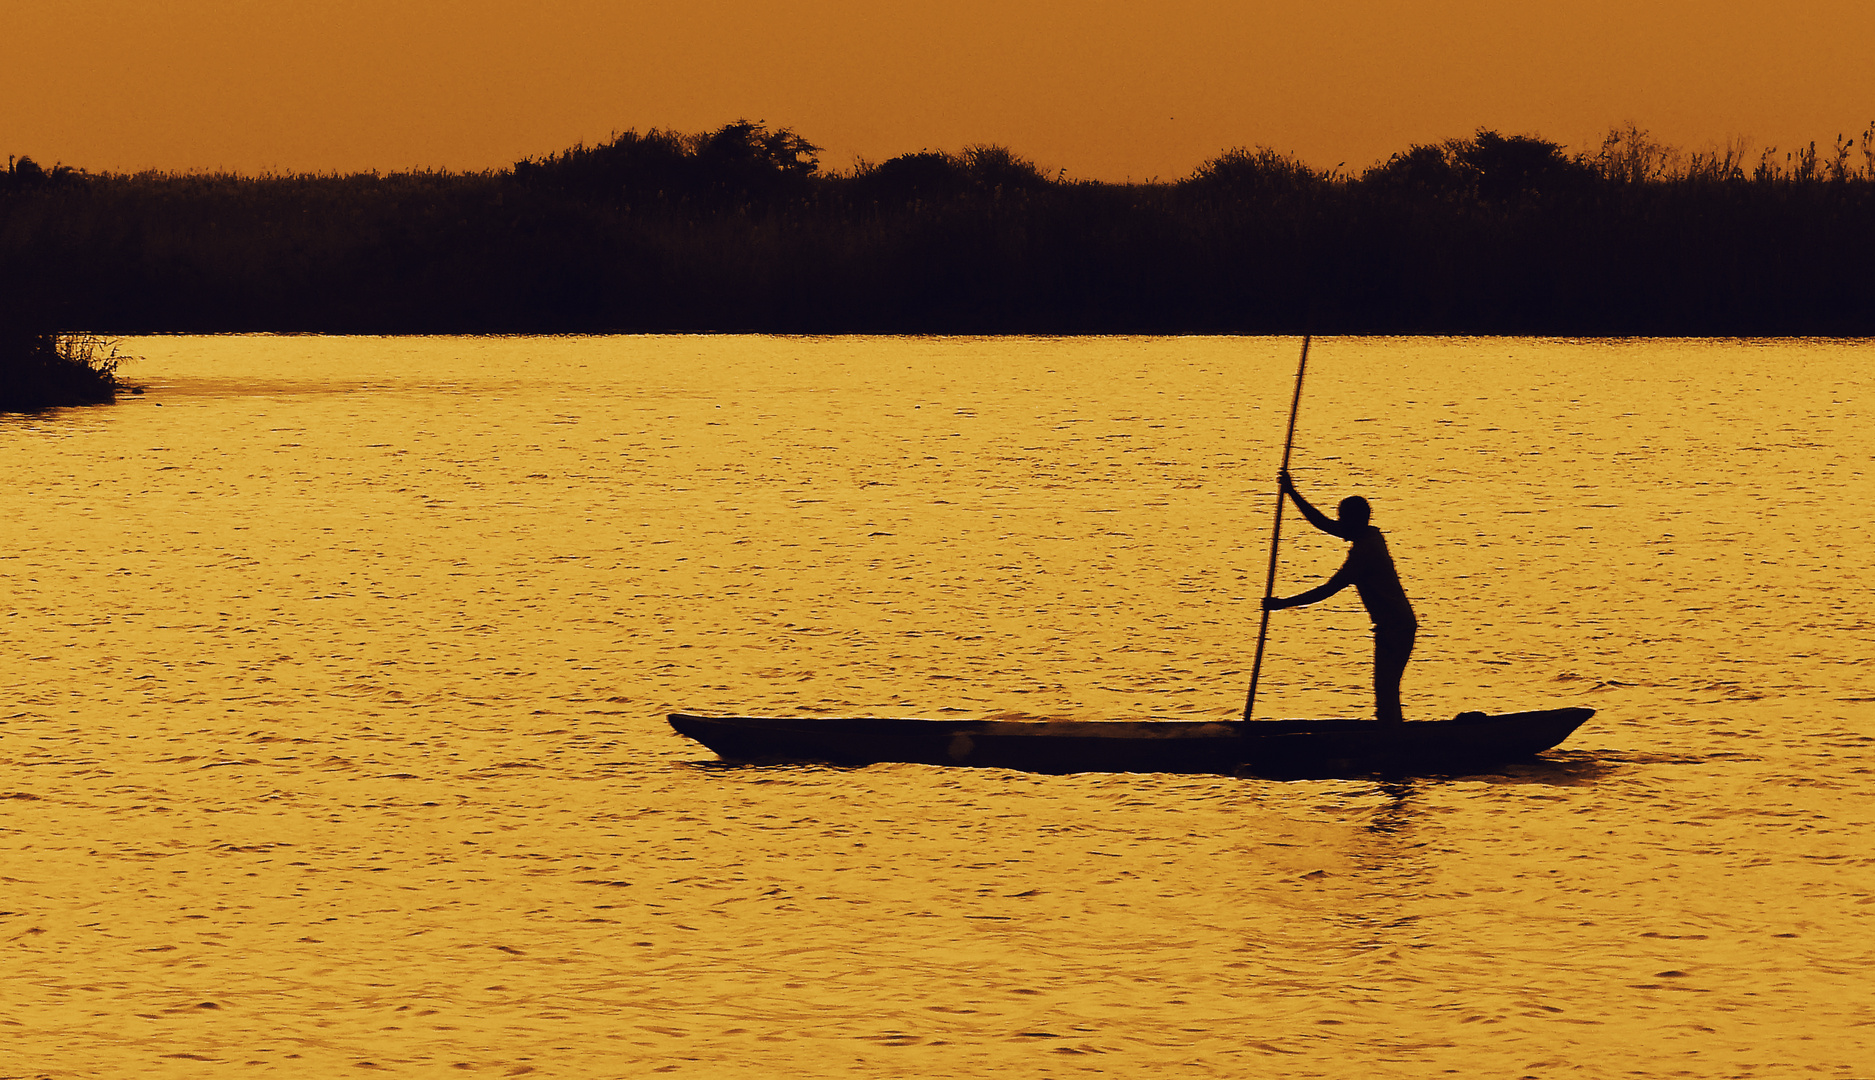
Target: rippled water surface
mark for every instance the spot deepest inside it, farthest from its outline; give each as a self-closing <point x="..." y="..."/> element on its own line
<point x="335" y="673"/>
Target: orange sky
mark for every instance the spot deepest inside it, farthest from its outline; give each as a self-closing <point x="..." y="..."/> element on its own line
<point x="1103" y="90"/>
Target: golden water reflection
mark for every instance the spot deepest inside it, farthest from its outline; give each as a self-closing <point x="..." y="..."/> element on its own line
<point x="335" y="671"/>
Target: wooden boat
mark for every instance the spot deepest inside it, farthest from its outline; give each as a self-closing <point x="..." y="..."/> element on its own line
<point x="1286" y="748"/>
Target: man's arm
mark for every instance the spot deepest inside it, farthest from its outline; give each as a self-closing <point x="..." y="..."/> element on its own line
<point x="1342" y="579"/>
<point x="1316" y="517"/>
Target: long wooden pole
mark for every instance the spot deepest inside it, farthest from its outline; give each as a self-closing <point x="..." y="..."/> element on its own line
<point x="1276" y="535"/>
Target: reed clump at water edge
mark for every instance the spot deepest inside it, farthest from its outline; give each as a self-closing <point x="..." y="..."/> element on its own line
<point x="44" y="371"/>
<point x="740" y="229"/>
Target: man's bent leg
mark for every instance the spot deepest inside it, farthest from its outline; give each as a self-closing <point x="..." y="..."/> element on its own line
<point x="1392" y="647"/>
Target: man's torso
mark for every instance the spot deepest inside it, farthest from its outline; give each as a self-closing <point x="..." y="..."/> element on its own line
<point x="1377" y="582"/>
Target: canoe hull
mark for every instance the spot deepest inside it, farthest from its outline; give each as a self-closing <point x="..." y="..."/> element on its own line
<point x="1264" y="747"/>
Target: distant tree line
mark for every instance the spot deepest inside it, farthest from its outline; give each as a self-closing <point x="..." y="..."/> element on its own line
<point x="740" y="229"/>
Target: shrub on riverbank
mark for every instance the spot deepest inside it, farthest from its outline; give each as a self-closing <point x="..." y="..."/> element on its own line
<point x="740" y="230"/>
<point x="43" y="371"/>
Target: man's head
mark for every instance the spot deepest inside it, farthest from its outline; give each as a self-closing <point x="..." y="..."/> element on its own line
<point x="1354" y="511"/>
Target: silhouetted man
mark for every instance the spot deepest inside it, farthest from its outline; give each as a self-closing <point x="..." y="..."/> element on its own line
<point x="1370" y="570"/>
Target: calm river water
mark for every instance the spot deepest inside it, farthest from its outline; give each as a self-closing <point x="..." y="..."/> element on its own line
<point x="335" y="671"/>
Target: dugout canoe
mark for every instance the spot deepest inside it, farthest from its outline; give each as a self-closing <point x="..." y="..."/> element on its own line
<point x="1467" y="742"/>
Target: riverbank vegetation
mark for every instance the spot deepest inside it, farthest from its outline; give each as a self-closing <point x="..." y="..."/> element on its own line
<point x="742" y="229"/>
<point x="43" y="371"/>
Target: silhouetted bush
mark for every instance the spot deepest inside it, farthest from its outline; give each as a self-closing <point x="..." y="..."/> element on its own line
<point x="1513" y="167"/>
<point x="1489" y="167"/>
<point x="739" y="161"/>
<point x="25" y="174"/>
<point x="1259" y="174"/>
<point x="907" y="178"/>
<point x="1423" y="172"/>
<point x="738" y="230"/>
<point x="43" y="371"/>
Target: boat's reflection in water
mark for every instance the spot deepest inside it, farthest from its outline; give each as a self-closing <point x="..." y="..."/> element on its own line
<point x="1400" y="894"/>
